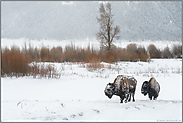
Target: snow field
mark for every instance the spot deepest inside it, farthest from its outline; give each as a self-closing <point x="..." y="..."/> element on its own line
<point x="78" y="95"/>
<point x="77" y="103"/>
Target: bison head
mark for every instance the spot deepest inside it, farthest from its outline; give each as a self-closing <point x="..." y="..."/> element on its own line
<point x="145" y="88"/>
<point x="109" y="90"/>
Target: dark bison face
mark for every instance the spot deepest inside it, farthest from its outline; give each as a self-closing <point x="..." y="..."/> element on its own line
<point x="145" y="88"/>
<point x="109" y="90"/>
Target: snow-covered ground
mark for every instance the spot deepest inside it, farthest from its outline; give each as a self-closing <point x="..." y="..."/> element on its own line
<point x="78" y="95"/>
<point x="81" y="43"/>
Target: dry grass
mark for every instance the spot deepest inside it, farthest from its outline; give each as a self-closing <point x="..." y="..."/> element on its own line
<point x="14" y="62"/>
<point x="94" y="65"/>
<point x="43" y="71"/>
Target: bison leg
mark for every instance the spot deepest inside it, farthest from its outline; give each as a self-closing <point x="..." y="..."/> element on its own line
<point x="150" y="96"/>
<point x="133" y="97"/>
<point x="155" y="96"/>
<point x="122" y="98"/>
<point x="129" y="97"/>
<point x="133" y="93"/>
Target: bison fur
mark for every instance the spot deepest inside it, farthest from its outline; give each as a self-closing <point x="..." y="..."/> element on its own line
<point x="123" y="86"/>
<point x="151" y="87"/>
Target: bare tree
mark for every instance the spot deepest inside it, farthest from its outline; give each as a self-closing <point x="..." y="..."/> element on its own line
<point x="177" y="51"/>
<point x="166" y="53"/>
<point x="107" y="33"/>
<point x="131" y="48"/>
<point x="153" y="51"/>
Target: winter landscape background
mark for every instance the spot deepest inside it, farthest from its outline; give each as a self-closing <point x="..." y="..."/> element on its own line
<point x="74" y="91"/>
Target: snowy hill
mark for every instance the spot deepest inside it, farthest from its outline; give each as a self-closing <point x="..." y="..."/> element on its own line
<point x="145" y="20"/>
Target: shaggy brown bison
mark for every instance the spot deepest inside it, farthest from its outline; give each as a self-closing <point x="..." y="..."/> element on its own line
<point x="123" y="86"/>
<point x="151" y="87"/>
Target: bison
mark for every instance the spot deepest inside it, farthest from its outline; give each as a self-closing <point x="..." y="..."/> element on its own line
<point x="151" y="87"/>
<point x="123" y="86"/>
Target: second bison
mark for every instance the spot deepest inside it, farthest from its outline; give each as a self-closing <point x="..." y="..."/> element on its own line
<point x="151" y="87"/>
<point x="123" y="86"/>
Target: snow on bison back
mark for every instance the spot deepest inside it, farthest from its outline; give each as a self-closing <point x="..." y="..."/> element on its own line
<point x="123" y="86"/>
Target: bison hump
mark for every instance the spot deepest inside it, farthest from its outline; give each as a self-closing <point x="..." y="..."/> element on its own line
<point x="123" y="82"/>
<point x="119" y="77"/>
<point x="154" y="84"/>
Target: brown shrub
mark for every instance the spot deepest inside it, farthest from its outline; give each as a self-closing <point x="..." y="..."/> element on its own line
<point x="177" y="51"/>
<point x="1" y="63"/>
<point x="80" y="55"/>
<point x="90" y="57"/>
<point x="133" y="57"/>
<point x="56" y="54"/>
<point x="69" y="56"/>
<point x="123" y="55"/>
<point x="36" y="55"/>
<point x="94" y="65"/>
<point x="141" y="50"/>
<point x="131" y="48"/>
<point x="70" y="47"/>
<point x="43" y="71"/>
<point x="153" y="51"/>
<point x="166" y="53"/>
<point x="15" y="62"/>
<point x="143" y="57"/>
<point x="109" y="56"/>
<point x="44" y="54"/>
<point x="33" y="52"/>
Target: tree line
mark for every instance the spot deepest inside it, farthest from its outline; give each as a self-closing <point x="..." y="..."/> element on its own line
<point x="14" y="60"/>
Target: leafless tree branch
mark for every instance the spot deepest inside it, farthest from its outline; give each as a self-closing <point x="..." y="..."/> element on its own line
<point x="107" y="32"/>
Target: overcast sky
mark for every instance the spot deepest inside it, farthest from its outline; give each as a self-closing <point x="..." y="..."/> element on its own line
<point x="146" y="20"/>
